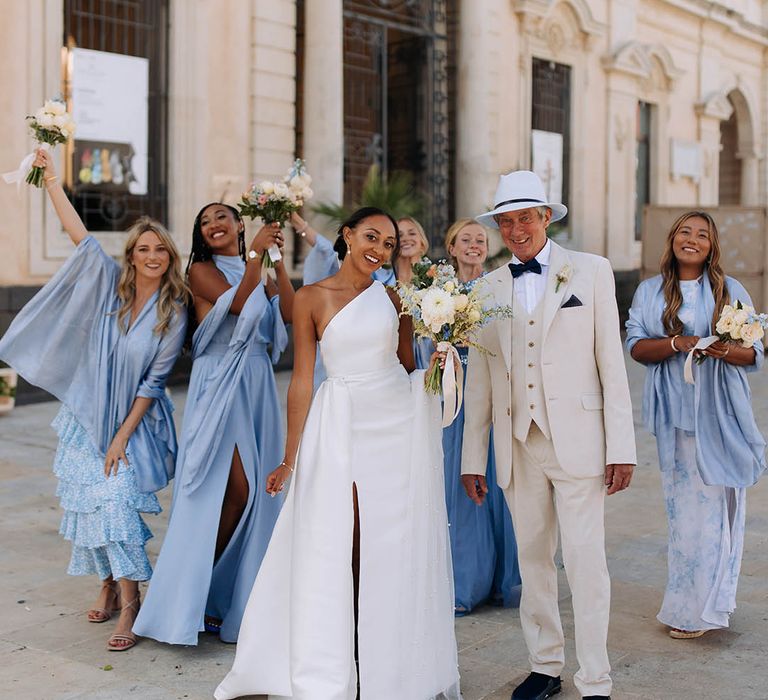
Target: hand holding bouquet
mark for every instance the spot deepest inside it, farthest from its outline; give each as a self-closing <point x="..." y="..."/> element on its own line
<point x="274" y="202"/>
<point x="738" y="323"/>
<point x="449" y="313"/>
<point x="51" y="124"/>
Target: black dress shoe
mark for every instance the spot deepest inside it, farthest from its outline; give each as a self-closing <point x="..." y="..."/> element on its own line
<point x="537" y="687"/>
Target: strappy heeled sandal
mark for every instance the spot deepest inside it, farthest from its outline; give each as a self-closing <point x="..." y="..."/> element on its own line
<point x="99" y="615"/>
<point x="127" y="641"/>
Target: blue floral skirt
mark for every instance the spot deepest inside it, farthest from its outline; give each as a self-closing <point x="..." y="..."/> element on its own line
<point x="706" y="540"/>
<point x="102" y="516"/>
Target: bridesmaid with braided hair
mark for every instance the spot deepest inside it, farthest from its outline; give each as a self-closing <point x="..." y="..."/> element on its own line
<point x="221" y="517"/>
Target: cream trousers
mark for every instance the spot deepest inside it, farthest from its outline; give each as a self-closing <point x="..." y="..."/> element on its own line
<point x="542" y="496"/>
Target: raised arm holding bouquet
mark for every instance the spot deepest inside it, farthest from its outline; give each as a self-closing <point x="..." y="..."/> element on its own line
<point x="274" y="202"/>
<point x="50" y="125"/>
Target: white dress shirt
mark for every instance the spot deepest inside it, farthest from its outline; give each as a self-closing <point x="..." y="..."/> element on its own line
<point x="530" y="287"/>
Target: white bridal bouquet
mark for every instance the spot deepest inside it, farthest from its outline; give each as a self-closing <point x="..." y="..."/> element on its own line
<point x="276" y="201"/>
<point x="738" y="323"/>
<point x="51" y="124"/>
<point x="449" y="313"/>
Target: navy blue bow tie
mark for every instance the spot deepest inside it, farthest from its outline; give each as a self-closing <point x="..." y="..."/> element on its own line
<point x="532" y="265"/>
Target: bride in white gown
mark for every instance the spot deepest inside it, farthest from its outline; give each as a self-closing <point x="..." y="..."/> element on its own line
<point x="358" y="566"/>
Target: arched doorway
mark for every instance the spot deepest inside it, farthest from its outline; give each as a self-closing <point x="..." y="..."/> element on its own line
<point x="730" y="164"/>
<point x="738" y="173"/>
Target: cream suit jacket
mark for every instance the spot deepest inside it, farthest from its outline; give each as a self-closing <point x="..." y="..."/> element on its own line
<point x="583" y="373"/>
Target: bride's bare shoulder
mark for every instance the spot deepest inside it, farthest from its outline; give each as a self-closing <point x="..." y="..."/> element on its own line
<point x="309" y="293"/>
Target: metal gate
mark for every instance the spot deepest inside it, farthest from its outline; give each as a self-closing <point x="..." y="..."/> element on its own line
<point x="133" y="28"/>
<point x="396" y="94"/>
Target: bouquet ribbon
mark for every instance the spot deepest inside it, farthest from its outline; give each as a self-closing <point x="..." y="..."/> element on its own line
<point x="20" y="175"/>
<point x="274" y="253"/>
<point x="703" y="344"/>
<point x="452" y="382"/>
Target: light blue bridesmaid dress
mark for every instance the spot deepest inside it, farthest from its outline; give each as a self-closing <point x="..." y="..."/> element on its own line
<point x="67" y="341"/>
<point x="483" y="543"/>
<point x="232" y="403"/>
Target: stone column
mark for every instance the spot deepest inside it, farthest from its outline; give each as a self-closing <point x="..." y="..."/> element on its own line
<point x="478" y="103"/>
<point x="750" y="196"/>
<point x="620" y="245"/>
<point x="324" y="98"/>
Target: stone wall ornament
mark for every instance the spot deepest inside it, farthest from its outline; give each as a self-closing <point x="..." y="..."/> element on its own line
<point x="621" y="130"/>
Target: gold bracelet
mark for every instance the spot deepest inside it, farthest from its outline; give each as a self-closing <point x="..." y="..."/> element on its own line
<point x="285" y="464"/>
<point x="51" y="178"/>
<point x="672" y="342"/>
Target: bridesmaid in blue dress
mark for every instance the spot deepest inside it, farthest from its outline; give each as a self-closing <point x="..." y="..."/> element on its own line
<point x="710" y="448"/>
<point x="102" y="338"/>
<point x="322" y="261"/>
<point x="222" y="518"/>
<point x="482" y="537"/>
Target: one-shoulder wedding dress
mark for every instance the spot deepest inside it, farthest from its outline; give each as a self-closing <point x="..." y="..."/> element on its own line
<point x="372" y="425"/>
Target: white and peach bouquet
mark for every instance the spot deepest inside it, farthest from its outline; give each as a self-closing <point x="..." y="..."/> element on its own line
<point x="50" y="125"/>
<point x="450" y="313"/>
<point x="276" y="201"/>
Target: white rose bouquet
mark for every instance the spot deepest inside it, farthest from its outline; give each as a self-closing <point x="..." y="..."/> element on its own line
<point x="276" y="201"/>
<point x="449" y="313"/>
<point x="50" y="125"/>
<point x="738" y="323"/>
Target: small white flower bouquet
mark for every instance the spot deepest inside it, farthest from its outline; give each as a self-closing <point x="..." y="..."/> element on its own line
<point x="276" y="201"/>
<point x="446" y="311"/>
<point x="50" y="125"/>
<point x="738" y="323"/>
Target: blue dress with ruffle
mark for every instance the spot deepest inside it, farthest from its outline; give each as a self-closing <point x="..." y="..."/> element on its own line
<point x="67" y="340"/>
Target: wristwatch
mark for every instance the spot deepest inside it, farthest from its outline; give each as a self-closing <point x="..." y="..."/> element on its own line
<point x="252" y="255"/>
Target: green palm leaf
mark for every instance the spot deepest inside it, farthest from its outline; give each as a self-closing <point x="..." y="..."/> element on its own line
<point x="395" y="195"/>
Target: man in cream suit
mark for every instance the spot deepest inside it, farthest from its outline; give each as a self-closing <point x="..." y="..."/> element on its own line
<point x="555" y="388"/>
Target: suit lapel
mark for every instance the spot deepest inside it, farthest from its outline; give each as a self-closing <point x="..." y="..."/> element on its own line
<point x="553" y="300"/>
<point x="502" y="291"/>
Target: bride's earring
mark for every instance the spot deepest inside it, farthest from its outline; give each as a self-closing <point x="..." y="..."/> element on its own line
<point x="349" y="248"/>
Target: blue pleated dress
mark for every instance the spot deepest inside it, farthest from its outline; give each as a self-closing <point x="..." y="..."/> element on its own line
<point x="68" y="342"/>
<point x="232" y="403"/>
<point x="483" y="543"/>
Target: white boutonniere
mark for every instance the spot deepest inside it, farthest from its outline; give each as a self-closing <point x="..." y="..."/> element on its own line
<point x="562" y="277"/>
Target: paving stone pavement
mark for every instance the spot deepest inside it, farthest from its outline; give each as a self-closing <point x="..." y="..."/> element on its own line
<point x="49" y="652"/>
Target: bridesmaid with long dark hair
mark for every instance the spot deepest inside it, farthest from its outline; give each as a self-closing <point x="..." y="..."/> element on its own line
<point x="710" y="448"/>
<point x="222" y="518"/>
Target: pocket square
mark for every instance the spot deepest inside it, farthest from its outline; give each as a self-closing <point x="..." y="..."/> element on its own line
<point x="572" y="301"/>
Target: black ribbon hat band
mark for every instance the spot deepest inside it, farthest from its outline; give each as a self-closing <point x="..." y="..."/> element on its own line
<point x="517" y="201"/>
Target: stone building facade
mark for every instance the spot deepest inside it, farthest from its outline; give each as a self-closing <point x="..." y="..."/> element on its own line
<point x="619" y="102"/>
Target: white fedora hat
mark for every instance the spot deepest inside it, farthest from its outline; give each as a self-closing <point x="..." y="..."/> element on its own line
<point x="521" y="189"/>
